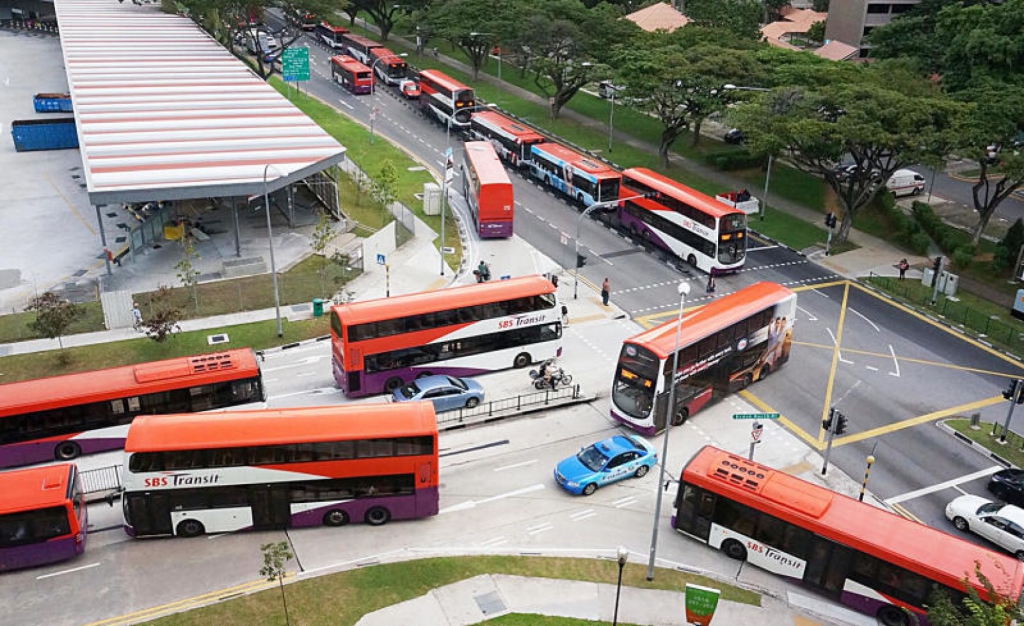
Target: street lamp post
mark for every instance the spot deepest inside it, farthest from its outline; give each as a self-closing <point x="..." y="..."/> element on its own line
<point x="684" y="288"/>
<point x="768" y="174"/>
<point x="579" y="221"/>
<point x="611" y="118"/>
<point x="622" y="554"/>
<point x="270" y="240"/>
<point x="373" y="71"/>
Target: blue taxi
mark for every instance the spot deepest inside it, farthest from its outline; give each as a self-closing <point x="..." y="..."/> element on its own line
<point x="605" y="462"/>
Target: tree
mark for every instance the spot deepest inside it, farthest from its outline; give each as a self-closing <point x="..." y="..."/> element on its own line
<point x="742" y="17"/>
<point x="318" y="241"/>
<point x="186" y="269"/>
<point x="275" y="557"/>
<point x="385" y="13"/>
<point x="54" y="315"/>
<point x="473" y="26"/>
<point x="996" y="610"/>
<point x="816" y="32"/>
<point x="161" y="321"/>
<point x="385" y="184"/>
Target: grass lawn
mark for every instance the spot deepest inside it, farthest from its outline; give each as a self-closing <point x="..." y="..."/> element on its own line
<point x="790" y="230"/>
<point x="1012" y="450"/>
<point x="340" y="599"/>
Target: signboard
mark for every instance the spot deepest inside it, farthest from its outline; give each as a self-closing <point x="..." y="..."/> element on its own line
<point x="447" y="250"/>
<point x="755" y="416"/>
<point x="295" y="64"/>
<point x="701" y="603"/>
<point x="381" y="260"/>
<point x="755" y="432"/>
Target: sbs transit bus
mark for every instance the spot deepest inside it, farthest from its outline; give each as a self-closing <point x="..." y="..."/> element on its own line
<point x="360" y="47"/>
<point x="511" y="139"/>
<point x="379" y="345"/>
<point x="873" y="560"/>
<point x="43" y="517"/>
<point x="723" y="347"/>
<point x="61" y="417"/>
<point x="583" y="181"/>
<point x="692" y="226"/>
<point x="388" y="66"/>
<point x="351" y="74"/>
<point x="487" y="189"/>
<point x="446" y="99"/>
<point x="285" y="468"/>
<point x="331" y="36"/>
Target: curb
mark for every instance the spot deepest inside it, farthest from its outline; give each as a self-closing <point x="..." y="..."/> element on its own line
<point x="982" y="450"/>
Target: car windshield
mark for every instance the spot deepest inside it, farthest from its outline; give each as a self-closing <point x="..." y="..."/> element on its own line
<point x="989" y="507"/>
<point x="409" y="391"/>
<point x="458" y="382"/>
<point x="592" y="458"/>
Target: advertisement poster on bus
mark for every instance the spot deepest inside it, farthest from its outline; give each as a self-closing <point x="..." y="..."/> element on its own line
<point x="701" y="603"/>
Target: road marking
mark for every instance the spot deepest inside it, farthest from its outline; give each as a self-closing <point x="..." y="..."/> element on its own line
<point x="758" y="249"/>
<point x="469" y="504"/>
<point x="67" y="571"/>
<point x="624" y="502"/>
<point x="582" y="515"/>
<point x="810" y="316"/>
<point x="539" y="528"/>
<point x="490" y="543"/>
<point x="839" y="352"/>
<point x="910" y="495"/>
<point x="895" y="361"/>
<point x="514" y="465"/>
<point x="860" y="315"/>
<point x="351" y="108"/>
<point x="871" y="368"/>
<point x="921" y="419"/>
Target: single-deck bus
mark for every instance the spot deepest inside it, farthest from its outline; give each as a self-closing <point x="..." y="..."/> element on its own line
<point x="192" y="474"/>
<point x="875" y="561"/>
<point x="380" y="345"/>
<point x="351" y="74"/>
<point x="487" y="189"/>
<point x="331" y="36"/>
<point x="706" y="233"/>
<point x="388" y="66"/>
<point x="511" y="139"/>
<point x="723" y="346"/>
<point x="570" y="173"/>
<point x="360" y="47"/>
<point x="42" y="516"/>
<point x="61" y="417"/>
<point x="446" y="99"/>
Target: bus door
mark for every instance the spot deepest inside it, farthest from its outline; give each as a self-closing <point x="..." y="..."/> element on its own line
<point x="270" y="507"/>
<point x="695" y="509"/>
<point x="827" y="565"/>
<point x="150" y="513"/>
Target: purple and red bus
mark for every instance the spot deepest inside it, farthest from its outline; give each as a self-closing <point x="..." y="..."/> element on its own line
<point x="487" y="189"/>
<point x="43" y="518"/>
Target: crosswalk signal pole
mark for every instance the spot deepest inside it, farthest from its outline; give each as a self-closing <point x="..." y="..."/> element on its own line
<point x="1015" y="394"/>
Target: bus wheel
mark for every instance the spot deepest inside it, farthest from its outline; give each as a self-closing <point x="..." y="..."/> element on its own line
<point x="190" y="528"/>
<point x="589" y="489"/>
<point x="377" y="516"/>
<point x="522" y="360"/>
<point x="765" y="370"/>
<point x="692" y="260"/>
<point x="680" y="417"/>
<point x="892" y="616"/>
<point x="67" y="450"/>
<point x="335" y="518"/>
<point x="746" y="380"/>
<point x="393" y="383"/>
<point x="734" y="550"/>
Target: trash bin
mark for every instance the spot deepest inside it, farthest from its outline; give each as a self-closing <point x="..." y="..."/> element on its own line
<point x="318" y="307"/>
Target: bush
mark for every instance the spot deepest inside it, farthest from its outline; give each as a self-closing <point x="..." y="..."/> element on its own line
<point x="734" y="160"/>
<point x="1001" y="258"/>
<point x="947" y="237"/>
<point x="1014" y="238"/>
<point x="963" y="256"/>
<point x="919" y="243"/>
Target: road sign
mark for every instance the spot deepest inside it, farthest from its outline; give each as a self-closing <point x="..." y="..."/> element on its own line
<point x="295" y="64"/>
<point x="381" y="260"/>
<point x="755" y="432"/>
<point x="447" y="250"/>
<point x="755" y="416"/>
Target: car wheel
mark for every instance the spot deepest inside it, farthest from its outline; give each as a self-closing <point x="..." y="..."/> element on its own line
<point x="67" y="450"/>
<point x="522" y="360"/>
<point x="472" y="403"/>
<point x="961" y="523"/>
<point x="589" y="489"/>
<point x="641" y="471"/>
<point x="918" y="191"/>
<point x="377" y="516"/>
<point x="734" y="550"/>
<point x="393" y="383"/>
<point x="335" y="518"/>
<point x="892" y="616"/>
<point x="190" y="528"/>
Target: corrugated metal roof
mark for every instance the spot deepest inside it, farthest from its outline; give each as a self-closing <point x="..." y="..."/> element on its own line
<point x="164" y="112"/>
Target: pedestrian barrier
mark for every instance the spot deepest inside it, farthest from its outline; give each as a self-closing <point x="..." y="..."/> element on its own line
<point x="508" y="407"/>
<point x="103" y="483"/>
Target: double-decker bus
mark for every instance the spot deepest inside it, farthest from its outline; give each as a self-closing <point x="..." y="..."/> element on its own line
<point x="379" y="345"/>
<point x="351" y="74"/>
<point x="331" y="36"/>
<point x="723" y="347"/>
<point x="704" y="232"/>
<point x="360" y="47"/>
<point x="487" y="189"/>
<point x="302" y="18"/>
<point x="446" y="99"/>
<point x="570" y="173"/>
<point x="42" y="516"/>
<point x="62" y="417"/>
<point x="388" y="66"/>
<point x="875" y="561"/>
<point x="192" y="474"/>
<point x="511" y="139"/>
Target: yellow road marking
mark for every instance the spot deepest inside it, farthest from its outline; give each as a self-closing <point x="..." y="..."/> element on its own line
<point x="907" y="359"/>
<point x="901" y="510"/>
<point x="915" y="421"/>
<point x="835" y="364"/>
<point x="785" y="421"/>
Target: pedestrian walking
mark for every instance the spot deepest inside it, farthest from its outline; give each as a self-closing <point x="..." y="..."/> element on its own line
<point x="565" y="315"/>
<point x="136" y="315"/>
<point x="711" y="281"/>
<point x="436" y="53"/>
<point x="903" y="267"/>
<point x="605" y="291"/>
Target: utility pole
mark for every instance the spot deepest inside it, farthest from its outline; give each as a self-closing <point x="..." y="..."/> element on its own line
<point x="1015" y="394"/>
<point x="937" y="265"/>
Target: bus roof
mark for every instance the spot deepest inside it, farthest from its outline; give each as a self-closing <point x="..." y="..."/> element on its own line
<point x="496" y="120"/>
<point x="362" y="41"/>
<point x="197" y="431"/>
<point x="864" y="527"/>
<point x="712" y="317"/>
<point x="679" y="191"/>
<point x="331" y="27"/>
<point x="97" y="385"/>
<point x="385" y="53"/>
<point x="35" y="487"/>
<point x="349" y="63"/>
<point x="488" y="167"/>
<point x="443" y="80"/>
<point x="440" y="300"/>
<point x="559" y="151"/>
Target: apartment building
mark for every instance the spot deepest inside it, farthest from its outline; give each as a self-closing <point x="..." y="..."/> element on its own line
<point x="849" y="21"/>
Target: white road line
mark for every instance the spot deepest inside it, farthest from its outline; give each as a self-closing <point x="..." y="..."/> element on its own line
<point x="351" y="108"/>
<point x="539" y="528"/>
<point x="841" y="359"/>
<point x="625" y="502"/>
<point x="823" y="295"/>
<point x="858" y="314"/>
<point x="584" y="514"/>
<point x="871" y="368"/>
<point x="469" y="504"/>
<point x="946" y="485"/>
<point x="514" y="465"/>
<point x="67" y="571"/>
<point x="490" y="543"/>
<point x="810" y="316"/>
<point x="761" y="248"/>
<point x="895" y="363"/>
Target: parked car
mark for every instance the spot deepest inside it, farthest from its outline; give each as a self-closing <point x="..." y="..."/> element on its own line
<point x="734" y="136"/>
<point x="605" y="462"/>
<point x="606" y="89"/>
<point x="1008" y="486"/>
<point x="1002" y="524"/>
<point x="446" y="392"/>
<point x="410" y="89"/>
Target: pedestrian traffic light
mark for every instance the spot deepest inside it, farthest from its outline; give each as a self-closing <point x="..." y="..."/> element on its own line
<point x="1010" y="393"/>
<point x="827" y="422"/>
<point x="830" y="220"/>
<point x="580" y="261"/>
<point x="840" y="424"/>
<point x="937" y="265"/>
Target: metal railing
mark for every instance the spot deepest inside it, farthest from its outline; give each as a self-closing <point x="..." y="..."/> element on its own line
<point x="507" y="406"/>
<point x="102" y="482"/>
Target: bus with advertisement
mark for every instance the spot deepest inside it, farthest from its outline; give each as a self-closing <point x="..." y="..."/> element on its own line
<point x="446" y="99"/>
<point x="43" y="518"/>
<point x="488" y="190"/>
<point x="62" y="417"/>
<point x="723" y="347"/>
<point x="351" y="74"/>
<point x="331" y="36"/>
<point x="575" y="176"/>
<point x="360" y="47"/>
<point x="187" y="475"/>
<point x="388" y="66"/>
<point x="864" y="556"/>
<point x="512" y="140"/>
<point x="379" y="345"/>
<point x="692" y="226"/>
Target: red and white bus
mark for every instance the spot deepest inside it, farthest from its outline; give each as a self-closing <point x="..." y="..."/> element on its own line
<point x="723" y="347"/>
<point x="192" y="474"/>
<point x="875" y="561"/>
<point x="360" y="47"/>
<point x="446" y="99"/>
<point x="511" y="139"/>
<point x="331" y="36"/>
<point x="692" y="226"/>
<point x="351" y="74"/>
<point x="579" y="178"/>
<point x="302" y="18"/>
<point x="388" y="66"/>
<point x="61" y="417"/>
<point x="380" y="345"/>
<point x="487" y="189"/>
<point x="43" y="517"/>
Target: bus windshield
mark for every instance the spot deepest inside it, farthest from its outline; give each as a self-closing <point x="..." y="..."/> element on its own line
<point x="636" y="380"/>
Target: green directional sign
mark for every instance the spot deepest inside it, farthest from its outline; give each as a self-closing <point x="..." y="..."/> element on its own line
<point x="755" y="416"/>
<point x="295" y="64"/>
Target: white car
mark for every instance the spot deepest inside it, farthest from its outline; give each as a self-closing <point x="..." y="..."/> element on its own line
<point x="1002" y="524"/>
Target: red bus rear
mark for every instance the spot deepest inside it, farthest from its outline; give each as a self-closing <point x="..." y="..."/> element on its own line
<point x="511" y="139"/>
<point x="488" y="190"/>
<point x="351" y="74"/>
<point x="43" y="517"/>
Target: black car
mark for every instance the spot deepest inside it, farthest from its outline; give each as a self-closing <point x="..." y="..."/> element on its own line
<point x="734" y="136"/>
<point x="1008" y="485"/>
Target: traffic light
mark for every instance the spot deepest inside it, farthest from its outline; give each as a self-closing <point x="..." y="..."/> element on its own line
<point x="830" y="220"/>
<point x="937" y="265"/>
<point x="1012" y="393"/>
<point x="827" y="422"/>
<point x="840" y="423"/>
<point x="580" y="261"/>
